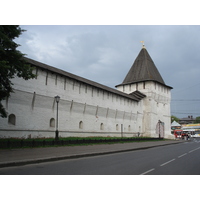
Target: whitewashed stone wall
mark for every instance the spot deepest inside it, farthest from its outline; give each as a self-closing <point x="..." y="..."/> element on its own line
<point x="84" y="110"/>
<point x="156" y="106"/>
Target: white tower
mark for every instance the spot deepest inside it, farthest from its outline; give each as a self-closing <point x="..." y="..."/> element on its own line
<point x="144" y="77"/>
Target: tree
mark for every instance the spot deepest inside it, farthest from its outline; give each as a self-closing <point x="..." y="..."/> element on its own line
<point x="11" y="62"/>
<point x="197" y="120"/>
<point x="174" y="118"/>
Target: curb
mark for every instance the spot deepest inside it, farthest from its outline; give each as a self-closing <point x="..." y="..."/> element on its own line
<point x="49" y="159"/>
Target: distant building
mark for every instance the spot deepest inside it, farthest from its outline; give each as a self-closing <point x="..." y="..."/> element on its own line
<point x="140" y="104"/>
<point x="187" y="120"/>
<point x="175" y="125"/>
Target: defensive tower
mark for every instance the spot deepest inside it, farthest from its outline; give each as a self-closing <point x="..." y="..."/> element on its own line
<point x="145" y="78"/>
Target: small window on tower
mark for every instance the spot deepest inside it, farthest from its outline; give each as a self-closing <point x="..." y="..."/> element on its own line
<point x="117" y="127"/>
<point x="52" y="122"/>
<point x="12" y="119"/>
<point x="80" y="125"/>
<point x="101" y="126"/>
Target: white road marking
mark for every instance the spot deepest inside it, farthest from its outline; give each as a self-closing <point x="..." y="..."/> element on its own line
<point x="182" y="155"/>
<point x="167" y="162"/>
<point x="194" y="150"/>
<point x="148" y="171"/>
<point x="196" y="141"/>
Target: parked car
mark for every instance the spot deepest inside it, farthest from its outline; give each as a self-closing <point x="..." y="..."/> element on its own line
<point x="178" y="133"/>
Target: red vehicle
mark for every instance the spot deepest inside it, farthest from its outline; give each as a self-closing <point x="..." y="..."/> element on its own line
<point x="180" y="134"/>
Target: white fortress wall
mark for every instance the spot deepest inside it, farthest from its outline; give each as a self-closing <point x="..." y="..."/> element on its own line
<point x="83" y="109"/>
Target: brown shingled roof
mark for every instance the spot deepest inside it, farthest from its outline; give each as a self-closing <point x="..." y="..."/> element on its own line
<point x="143" y="69"/>
<point x="138" y="94"/>
<point x="78" y="78"/>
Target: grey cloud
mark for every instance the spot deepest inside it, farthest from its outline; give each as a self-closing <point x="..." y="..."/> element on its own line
<point x="105" y="54"/>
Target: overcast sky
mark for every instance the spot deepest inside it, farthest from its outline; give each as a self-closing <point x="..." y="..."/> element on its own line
<point x="105" y="54"/>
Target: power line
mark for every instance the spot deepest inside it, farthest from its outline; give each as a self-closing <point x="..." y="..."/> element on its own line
<point x="188" y="113"/>
<point x="183" y="90"/>
<point x="185" y="100"/>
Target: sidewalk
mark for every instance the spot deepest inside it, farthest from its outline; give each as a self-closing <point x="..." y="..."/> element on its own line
<point x="16" y="157"/>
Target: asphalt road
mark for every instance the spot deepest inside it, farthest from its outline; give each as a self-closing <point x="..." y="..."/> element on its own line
<point x="176" y="159"/>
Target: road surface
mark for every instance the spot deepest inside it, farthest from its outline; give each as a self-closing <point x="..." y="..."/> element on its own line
<point x="176" y="159"/>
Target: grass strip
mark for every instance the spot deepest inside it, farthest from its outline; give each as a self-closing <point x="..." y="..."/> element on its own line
<point x="9" y="143"/>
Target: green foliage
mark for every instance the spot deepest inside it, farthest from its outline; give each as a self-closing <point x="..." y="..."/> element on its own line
<point x="174" y="118"/>
<point x="197" y="120"/>
<point x="11" y="62"/>
<point x="69" y="141"/>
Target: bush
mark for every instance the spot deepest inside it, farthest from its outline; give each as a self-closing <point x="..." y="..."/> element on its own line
<point x="69" y="141"/>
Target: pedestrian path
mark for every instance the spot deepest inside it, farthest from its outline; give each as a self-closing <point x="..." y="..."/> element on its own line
<point x="13" y="157"/>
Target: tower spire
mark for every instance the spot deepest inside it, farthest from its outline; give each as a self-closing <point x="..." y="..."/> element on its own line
<point x="143" y="46"/>
<point x="143" y="69"/>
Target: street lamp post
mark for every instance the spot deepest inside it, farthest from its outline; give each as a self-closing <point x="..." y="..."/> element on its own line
<point x="57" y="98"/>
<point x="159" y="122"/>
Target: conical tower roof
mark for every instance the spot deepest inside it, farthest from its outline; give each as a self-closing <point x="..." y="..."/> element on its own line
<point x="143" y="69"/>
